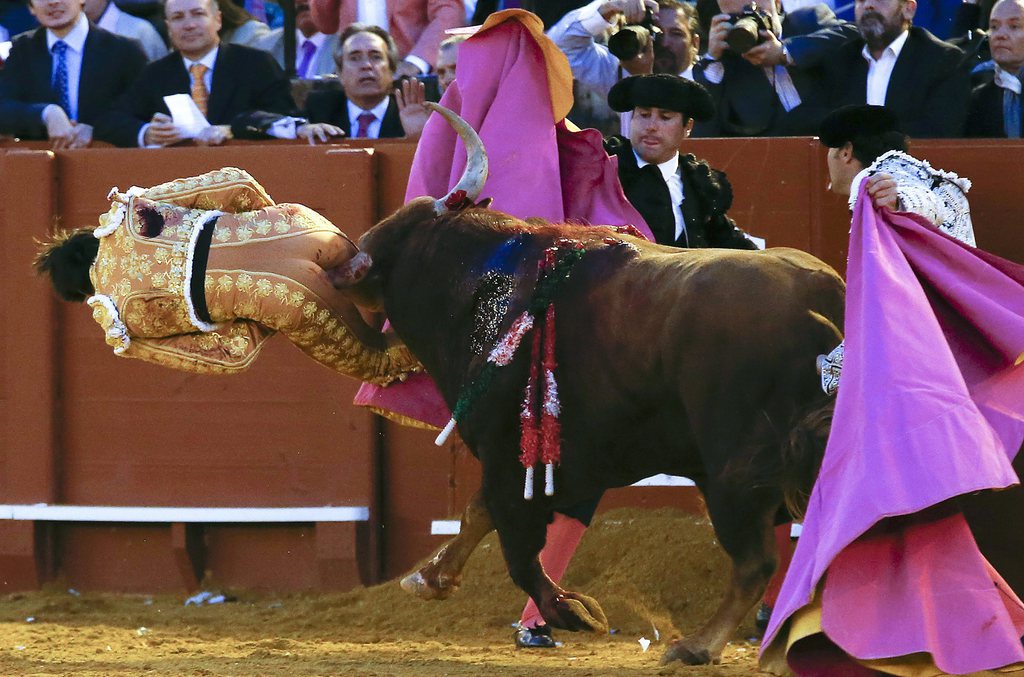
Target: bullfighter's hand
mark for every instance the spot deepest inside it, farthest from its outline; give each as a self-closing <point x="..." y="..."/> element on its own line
<point x="83" y="136"/>
<point x="59" y="128"/>
<point x="883" y="192"/>
<point x="768" y="53"/>
<point x="161" y="131"/>
<point x="719" y="30"/>
<point x="214" y="135"/>
<point x="318" y="130"/>
<point x="410" y="98"/>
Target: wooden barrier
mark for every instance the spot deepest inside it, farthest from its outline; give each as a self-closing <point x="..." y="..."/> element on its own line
<point x="82" y="427"/>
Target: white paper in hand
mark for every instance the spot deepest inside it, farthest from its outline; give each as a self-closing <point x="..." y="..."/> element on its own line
<point x="186" y="115"/>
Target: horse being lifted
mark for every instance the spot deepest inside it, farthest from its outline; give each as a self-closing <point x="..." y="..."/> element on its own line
<point x="691" y="362"/>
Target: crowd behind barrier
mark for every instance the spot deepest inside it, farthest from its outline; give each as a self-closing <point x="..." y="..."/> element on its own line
<point x="86" y="428"/>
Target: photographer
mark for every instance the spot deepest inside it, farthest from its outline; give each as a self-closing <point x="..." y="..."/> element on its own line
<point x="754" y="68"/>
<point x="655" y="36"/>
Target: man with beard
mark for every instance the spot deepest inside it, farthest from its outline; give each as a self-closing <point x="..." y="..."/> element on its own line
<point x="995" y="104"/>
<point x="777" y="87"/>
<point x="905" y="68"/>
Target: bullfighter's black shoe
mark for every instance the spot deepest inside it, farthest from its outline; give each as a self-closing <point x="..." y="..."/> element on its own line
<point x="764" y="614"/>
<point x="538" y="637"/>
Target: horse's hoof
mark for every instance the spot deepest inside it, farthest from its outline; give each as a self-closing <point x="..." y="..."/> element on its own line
<point x="679" y="651"/>
<point x="418" y="585"/>
<point x="577" y="612"/>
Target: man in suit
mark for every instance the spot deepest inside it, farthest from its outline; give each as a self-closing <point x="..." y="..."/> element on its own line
<point x="905" y="68"/>
<point x="314" y="51"/>
<point x="107" y="15"/>
<point x="683" y="199"/>
<point x="418" y="26"/>
<point x="61" y="78"/>
<point x="995" y="104"/>
<point x="775" y="88"/>
<point x="240" y="90"/>
<point x="366" y="107"/>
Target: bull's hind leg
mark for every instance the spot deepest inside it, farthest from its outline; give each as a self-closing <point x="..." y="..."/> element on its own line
<point x="442" y="573"/>
<point x="744" y="529"/>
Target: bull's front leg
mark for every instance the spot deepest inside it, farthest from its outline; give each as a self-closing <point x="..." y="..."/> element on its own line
<point x="441" y="575"/>
<point x="522" y="529"/>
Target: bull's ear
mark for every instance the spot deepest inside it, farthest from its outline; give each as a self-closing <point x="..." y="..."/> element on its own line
<point x="351" y="272"/>
<point x="485" y="203"/>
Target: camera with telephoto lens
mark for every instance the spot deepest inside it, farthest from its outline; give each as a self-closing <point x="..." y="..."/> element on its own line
<point x="631" y="39"/>
<point x="746" y="28"/>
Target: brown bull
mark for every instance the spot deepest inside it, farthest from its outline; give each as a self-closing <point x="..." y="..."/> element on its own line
<point x="690" y="362"/>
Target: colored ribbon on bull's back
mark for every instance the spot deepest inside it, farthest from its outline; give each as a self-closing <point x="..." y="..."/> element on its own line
<point x="934" y="337"/>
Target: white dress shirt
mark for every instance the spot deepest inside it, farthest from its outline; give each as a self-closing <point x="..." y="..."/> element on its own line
<point x="75" y="40"/>
<point x="670" y="172"/>
<point x="208" y="60"/>
<point x="880" y="70"/>
<point x="318" y="39"/>
<point x="373" y="131"/>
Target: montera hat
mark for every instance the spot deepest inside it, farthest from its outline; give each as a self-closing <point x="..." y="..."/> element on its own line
<point x="670" y="92"/>
<point x="849" y="123"/>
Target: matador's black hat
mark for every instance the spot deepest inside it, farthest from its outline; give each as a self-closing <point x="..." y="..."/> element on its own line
<point x="849" y="123"/>
<point x="670" y="92"/>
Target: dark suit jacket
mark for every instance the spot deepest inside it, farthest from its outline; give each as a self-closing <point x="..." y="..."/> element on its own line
<point x="985" y="117"/>
<point x="928" y="91"/>
<point x="110" y="64"/>
<point x="246" y="81"/>
<point x="707" y="196"/>
<point x="330" y="106"/>
<point x="746" y="102"/>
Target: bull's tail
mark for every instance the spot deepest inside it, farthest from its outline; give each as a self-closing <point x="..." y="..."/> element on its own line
<point x="801" y="455"/>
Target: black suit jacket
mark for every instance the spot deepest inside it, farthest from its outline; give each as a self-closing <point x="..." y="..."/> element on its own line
<point x="707" y="196"/>
<point x="331" y="106"/>
<point x="246" y="82"/>
<point x="929" y="89"/>
<point x="985" y="117"/>
<point x="110" y="64"/>
<point x="746" y="102"/>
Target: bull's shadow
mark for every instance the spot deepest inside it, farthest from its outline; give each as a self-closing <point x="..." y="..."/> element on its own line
<point x="689" y="362"/>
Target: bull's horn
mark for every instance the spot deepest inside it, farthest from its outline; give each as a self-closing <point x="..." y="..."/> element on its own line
<point x="472" y="181"/>
<point x="350" y="272"/>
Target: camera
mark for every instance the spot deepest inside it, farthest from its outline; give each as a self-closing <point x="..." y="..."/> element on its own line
<point x="631" y="39"/>
<point x="746" y="28"/>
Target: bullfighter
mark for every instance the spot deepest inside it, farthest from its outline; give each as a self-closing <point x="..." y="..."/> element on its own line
<point x="197" y="273"/>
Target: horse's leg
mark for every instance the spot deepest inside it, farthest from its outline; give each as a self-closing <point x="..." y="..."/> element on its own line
<point x="442" y="573"/>
<point x="522" y="529"/>
<point x="743" y="522"/>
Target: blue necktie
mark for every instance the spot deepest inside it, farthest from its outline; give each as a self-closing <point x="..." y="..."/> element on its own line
<point x="60" y="77"/>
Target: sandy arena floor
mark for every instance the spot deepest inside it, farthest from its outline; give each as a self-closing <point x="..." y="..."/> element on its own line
<point x="656" y="574"/>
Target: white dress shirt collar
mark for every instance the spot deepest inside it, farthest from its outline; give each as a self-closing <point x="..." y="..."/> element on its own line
<point x="894" y="48"/>
<point x="373" y="132"/>
<point x="208" y="60"/>
<point x="670" y="173"/>
<point x="75" y="38"/>
<point x="1007" y="80"/>
<point x="317" y="39"/>
<point x="668" y="168"/>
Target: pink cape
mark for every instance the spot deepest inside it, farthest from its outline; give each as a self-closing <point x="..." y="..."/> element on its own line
<point x="537" y="167"/>
<point x="930" y="406"/>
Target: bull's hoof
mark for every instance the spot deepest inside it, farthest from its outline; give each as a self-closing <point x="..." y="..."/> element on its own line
<point x="429" y="588"/>
<point x="575" y="611"/>
<point x="690" y="655"/>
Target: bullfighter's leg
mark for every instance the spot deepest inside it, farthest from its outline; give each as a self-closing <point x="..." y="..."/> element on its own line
<point x="743" y="523"/>
<point x="441" y="575"/>
<point x="522" y="526"/>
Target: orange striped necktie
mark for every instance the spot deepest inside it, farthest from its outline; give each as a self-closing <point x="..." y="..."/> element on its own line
<point x="200" y="94"/>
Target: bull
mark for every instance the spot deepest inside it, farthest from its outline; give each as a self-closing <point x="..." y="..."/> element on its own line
<point x="696" y="362"/>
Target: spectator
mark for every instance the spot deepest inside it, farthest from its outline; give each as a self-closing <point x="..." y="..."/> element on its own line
<point x="238" y="27"/>
<point x="905" y="68"/>
<point x="417" y="26"/>
<point x="367" y="108"/>
<point x="16" y="17"/>
<point x="107" y="15"/>
<point x="447" y="57"/>
<point x="314" y="51"/>
<point x="240" y="90"/>
<point x="995" y="104"/>
<point x="60" y="79"/>
<point x="677" y="50"/>
<point x="771" y="89"/>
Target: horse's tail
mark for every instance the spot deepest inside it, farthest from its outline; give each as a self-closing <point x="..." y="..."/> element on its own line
<point x="801" y="456"/>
